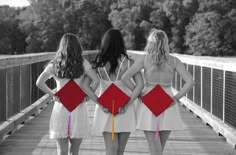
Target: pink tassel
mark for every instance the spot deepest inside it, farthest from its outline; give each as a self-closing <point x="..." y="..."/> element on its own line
<point x="157" y="131"/>
<point x="69" y="123"/>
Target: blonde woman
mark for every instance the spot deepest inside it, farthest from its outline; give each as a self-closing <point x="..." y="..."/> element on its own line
<point x="159" y="68"/>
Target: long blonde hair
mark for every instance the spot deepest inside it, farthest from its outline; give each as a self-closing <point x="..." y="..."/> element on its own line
<point x="157" y="47"/>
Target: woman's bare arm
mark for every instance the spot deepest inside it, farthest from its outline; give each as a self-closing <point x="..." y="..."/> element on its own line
<point x="90" y="84"/>
<point x="139" y="85"/>
<point x="41" y="81"/>
<point x="89" y="91"/>
<point x="93" y="78"/>
<point x="189" y="82"/>
<point x="135" y="68"/>
<point x="136" y="88"/>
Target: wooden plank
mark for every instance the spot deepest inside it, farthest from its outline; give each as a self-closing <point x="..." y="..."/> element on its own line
<point x="25" y="86"/>
<point x="5" y="128"/>
<point x="34" y="89"/>
<point x="222" y="63"/>
<point x="218" y="126"/>
<point x="14" y="122"/>
<point x="24" y="59"/>
<point x="40" y="68"/>
<point x="13" y="89"/>
<point x="198" y="139"/>
<point x="3" y="101"/>
<point x="8" y="61"/>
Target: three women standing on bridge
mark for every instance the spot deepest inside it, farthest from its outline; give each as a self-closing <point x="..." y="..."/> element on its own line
<point x="113" y="65"/>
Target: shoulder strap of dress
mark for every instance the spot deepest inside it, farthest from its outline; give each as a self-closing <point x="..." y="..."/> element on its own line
<point x="151" y="68"/>
<point x="108" y="77"/>
<point x="145" y="57"/>
<point x="98" y="69"/>
<point x="169" y="67"/>
<point x="128" y="63"/>
<point x="117" y="75"/>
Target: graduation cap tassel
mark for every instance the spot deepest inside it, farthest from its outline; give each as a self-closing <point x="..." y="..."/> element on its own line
<point x="69" y="125"/>
<point x="157" y="131"/>
<point x="113" y="121"/>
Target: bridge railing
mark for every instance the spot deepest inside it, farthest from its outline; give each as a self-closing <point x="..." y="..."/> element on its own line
<point x="213" y="97"/>
<point x="20" y="98"/>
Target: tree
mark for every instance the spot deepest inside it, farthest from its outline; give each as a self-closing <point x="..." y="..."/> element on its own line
<point x="228" y="35"/>
<point x="202" y="34"/>
<point x="11" y="38"/>
<point x="179" y="13"/>
<point x="88" y="19"/>
<point x="212" y="31"/>
<point x="49" y="23"/>
<point x="220" y="6"/>
<point x="92" y="17"/>
<point x="132" y="17"/>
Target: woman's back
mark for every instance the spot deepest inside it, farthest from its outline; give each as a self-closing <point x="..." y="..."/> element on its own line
<point x="123" y="122"/>
<point x="107" y="79"/>
<point x="163" y="76"/>
<point x="60" y="82"/>
<point x="158" y="76"/>
<point x="122" y="67"/>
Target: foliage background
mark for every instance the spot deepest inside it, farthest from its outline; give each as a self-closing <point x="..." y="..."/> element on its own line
<point x="196" y="27"/>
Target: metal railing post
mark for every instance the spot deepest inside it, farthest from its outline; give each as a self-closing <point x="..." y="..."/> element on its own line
<point x="201" y="80"/>
<point x="223" y="95"/>
<point x="211" y="90"/>
<point x="194" y="85"/>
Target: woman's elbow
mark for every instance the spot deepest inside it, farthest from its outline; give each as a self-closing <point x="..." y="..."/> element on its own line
<point x="124" y="77"/>
<point x="192" y="82"/>
<point x="142" y="85"/>
<point x="96" y="81"/>
<point x="38" y="83"/>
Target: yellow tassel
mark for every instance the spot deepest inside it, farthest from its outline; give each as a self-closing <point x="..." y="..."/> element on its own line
<point x="113" y="121"/>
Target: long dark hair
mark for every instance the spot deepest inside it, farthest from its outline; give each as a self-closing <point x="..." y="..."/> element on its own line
<point x="111" y="50"/>
<point x="68" y="62"/>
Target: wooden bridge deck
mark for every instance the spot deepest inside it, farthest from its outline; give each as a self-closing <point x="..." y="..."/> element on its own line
<point x="196" y="139"/>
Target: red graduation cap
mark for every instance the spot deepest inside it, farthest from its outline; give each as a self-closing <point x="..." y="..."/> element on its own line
<point x="71" y="95"/>
<point x="157" y="100"/>
<point x="113" y="98"/>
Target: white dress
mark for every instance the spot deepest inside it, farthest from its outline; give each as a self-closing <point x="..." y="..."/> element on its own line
<point x="79" y="126"/>
<point x="103" y="121"/>
<point x="170" y="119"/>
